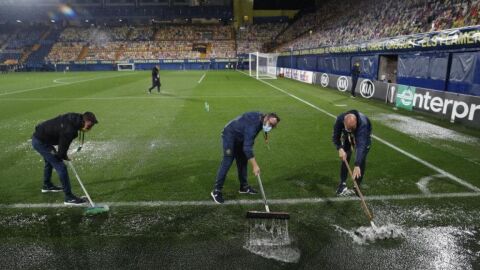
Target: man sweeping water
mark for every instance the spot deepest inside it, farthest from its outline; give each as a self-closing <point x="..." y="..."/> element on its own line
<point x="238" y="138"/>
<point x="60" y="131"/>
<point x="352" y="131"/>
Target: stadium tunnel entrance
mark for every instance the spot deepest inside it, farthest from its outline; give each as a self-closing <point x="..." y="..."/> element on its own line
<point x="387" y="68"/>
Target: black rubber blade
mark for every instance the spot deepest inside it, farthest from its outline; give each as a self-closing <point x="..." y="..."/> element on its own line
<point x="268" y="215"/>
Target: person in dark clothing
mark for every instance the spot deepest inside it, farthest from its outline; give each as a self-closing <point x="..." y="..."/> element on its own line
<point x="352" y="131"/>
<point x="60" y="131"/>
<point x="355" y="74"/>
<point x="155" y="79"/>
<point x="238" y="138"/>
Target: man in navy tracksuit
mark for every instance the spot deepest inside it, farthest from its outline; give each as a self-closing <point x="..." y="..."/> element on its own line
<point x="238" y="138"/>
<point x="355" y="74"/>
<point x="352" y="130"/>
<point x="60" y="131"/>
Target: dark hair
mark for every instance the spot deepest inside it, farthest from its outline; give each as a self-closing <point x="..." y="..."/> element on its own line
<point x="273" y="115"/>
<point x="90" y="117"/>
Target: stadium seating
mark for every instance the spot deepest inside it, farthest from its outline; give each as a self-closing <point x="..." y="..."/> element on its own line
<point x="252" y="38"/>
<point x="143" y="42"/>
<point x="340" y="22"/>
<point x="336" y="22"/>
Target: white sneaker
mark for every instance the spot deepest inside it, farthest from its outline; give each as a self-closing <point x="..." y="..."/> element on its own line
<point x="346" y="192"/>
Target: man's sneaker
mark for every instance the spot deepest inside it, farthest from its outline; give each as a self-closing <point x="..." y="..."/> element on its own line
<point x="217" y="196"/>
<point x="247" y="190"/>
<point x="74" y="200"/>
<point x="341" y="187"/>
<point x="343" y="191"/>
<point x="52" y="188"/>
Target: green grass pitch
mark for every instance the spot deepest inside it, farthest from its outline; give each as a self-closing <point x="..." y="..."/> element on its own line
<point x="160" y="148"/>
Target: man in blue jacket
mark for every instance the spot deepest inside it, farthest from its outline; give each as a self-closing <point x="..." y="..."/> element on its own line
<point x="238" y="138"/>
<point x="352" y="130"/>
<point x="60" y="131"/>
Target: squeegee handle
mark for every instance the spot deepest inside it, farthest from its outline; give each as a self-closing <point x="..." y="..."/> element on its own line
<point x="263" y="193"/>
<point x="81" y="184"/>
<point x="360" y="194"/>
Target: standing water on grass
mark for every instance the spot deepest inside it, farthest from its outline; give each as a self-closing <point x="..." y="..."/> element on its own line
<point x="369" y="234"/>
<point x="270" y="239"/>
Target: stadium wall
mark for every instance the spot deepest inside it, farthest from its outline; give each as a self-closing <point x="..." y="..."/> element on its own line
<point x="165" y="64"/>
<point x="453" y="107"/>
<point x="447" y="61"/>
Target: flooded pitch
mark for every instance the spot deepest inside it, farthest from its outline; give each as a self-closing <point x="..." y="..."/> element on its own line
<point x="409" y="235"/>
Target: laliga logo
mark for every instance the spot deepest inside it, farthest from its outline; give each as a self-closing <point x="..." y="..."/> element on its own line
<point x="324" y="80"/>
<point x="406" y="97"/>
<point x="367" y="89"/>
<point x="342" y="83"/>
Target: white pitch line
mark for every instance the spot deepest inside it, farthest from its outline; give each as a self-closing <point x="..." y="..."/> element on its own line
<point x="254" y="202"/>
<point x="132" y="97"/>
<point x="423" y="183"/>
<point x="429" y="165"/>
<point x="57" y="81"/>
<point x="201" y="79"/>
<point x="61" y="84"/>
<point x="341" y="105"/>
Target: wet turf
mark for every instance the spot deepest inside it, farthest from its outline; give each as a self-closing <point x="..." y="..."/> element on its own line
<point x="167" y="148"/>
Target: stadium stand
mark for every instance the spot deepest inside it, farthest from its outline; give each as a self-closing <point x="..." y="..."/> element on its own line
<point x="252" y="38"/>
<point x="344" y="22"/>
<point x="335" y="22"/>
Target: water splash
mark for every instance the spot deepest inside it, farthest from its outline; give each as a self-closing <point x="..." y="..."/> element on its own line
<point x="270" y="239"/>
<point x="370" y="234"/>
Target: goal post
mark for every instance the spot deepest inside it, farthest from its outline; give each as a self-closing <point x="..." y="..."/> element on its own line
<point x="125" y="67"/>
<point x="263" y="65"/>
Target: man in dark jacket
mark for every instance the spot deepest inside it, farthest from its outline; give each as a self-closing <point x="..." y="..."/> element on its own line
<point x="352" y="130"/>
<point x="155" y="79"/>
<point x="355" y="74"/>
<point x="238" y="138"/>
<point x="60" y="131"/>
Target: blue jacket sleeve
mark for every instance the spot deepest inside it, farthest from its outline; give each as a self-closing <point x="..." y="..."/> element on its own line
<point x="337" y="133"/>
<point x="363" y="142"/>
<point x="248" y="141"/>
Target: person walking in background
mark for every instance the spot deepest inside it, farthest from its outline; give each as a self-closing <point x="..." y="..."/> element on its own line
<point x="155" y="79"/>
<point x="355" y="74"/>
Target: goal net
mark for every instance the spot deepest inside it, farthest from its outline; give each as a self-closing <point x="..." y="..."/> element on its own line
<point x="125" y="67"/>
<point x="263" y="65"/>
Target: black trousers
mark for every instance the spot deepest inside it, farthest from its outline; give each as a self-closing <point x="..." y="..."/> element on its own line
<point x="155" y="83"/>
<point x="354" y="85"/>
